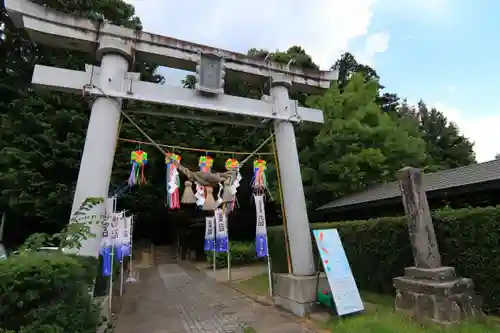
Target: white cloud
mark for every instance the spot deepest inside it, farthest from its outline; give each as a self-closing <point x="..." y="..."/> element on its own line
<point x="429" y="11"/>
<point x="375" y="43"/>
<point x="483" y="130"/>
<point x="324" y="29"/>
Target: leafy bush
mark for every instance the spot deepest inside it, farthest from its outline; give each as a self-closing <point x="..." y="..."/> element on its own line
<point x="242" y="253"/>
<point x="379" y="249"/>
<point x="47" y="293"/>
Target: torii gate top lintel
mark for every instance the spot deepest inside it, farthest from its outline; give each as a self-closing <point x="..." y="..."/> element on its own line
<point x="51" y="27"/>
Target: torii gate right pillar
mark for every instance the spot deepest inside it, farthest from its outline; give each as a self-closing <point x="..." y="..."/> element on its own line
<point x="295" y="292"/>
<point x="291" y="183"/>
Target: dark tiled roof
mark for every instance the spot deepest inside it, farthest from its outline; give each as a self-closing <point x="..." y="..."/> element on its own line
<point x="466" y="175"/>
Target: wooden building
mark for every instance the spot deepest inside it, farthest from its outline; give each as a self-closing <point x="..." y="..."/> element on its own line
<point x="475" y="185"/>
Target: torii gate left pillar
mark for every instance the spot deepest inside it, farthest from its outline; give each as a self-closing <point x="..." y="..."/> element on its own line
<point x="94" y="175"/>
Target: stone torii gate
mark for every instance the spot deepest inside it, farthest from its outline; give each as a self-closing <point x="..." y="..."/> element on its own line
<point x="117" y="48"/>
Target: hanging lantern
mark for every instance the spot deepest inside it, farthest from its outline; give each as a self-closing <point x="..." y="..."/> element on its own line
<point x="172" y="180"/>
<point x="138" y="159"/>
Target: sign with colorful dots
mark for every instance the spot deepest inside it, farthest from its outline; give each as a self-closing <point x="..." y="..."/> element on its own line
<point x="344" y="290"/>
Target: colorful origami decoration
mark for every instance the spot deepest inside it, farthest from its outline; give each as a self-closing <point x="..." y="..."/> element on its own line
<point x="172" y="180"/>
<point x="205" y="163"/>
<point x="231" y="185"/>
<point x="138" y="159"/>
<point x="259" y="181"/>
<point x="232" y="164"/>
<point x="204" y="194"/>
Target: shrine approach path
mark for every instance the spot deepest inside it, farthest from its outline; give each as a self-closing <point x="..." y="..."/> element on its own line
<point x="173" y="298"/>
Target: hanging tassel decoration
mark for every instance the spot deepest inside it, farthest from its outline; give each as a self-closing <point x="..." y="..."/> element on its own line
<point x="259" y="181"/>
<point x="138" y="159"/>
<point x="172" y="180"/>
<point x="210" y="203"/>
<point x="188" y="195"/>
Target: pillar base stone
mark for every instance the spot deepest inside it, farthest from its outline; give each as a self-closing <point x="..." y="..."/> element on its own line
<point x="297" y="294"/>
<point x="436" y="296"/>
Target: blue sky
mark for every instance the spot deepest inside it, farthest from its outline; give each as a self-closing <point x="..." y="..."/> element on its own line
<point x="442" y="51"/>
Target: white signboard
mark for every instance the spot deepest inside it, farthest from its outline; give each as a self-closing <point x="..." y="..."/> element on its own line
<point x="342" y="284"/>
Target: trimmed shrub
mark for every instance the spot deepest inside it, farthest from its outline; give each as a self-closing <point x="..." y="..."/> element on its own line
<point x="379" y="249"/>
<point x="47" y="292"/>
<point x="242" y="253"/>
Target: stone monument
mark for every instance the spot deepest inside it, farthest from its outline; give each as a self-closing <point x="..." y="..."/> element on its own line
<point x="429" y="292"/>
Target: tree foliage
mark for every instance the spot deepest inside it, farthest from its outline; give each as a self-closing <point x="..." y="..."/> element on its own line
<point x="368" y="134"/>
<point x="359" y="145"/>
<point x="446" y="147"/>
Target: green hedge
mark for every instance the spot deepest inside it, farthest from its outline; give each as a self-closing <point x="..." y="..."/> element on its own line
<point x="42" y="293"/>
<point x="242" y="253"/>
<point x="379" y="249"/>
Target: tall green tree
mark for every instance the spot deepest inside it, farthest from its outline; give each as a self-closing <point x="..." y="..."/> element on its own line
<point x="43" y="132"/>
<point x="445" y="145"/>
<point x="358" y="146"/>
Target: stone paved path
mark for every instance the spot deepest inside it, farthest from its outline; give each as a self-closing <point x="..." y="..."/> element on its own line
<point x="174" y="299"/>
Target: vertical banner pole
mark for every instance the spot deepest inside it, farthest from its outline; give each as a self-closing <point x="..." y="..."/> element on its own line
<point x="228" y="263"/>
<point x="226" y="214"/>
<point x="120" y="244"/>
<point x="111" y="278"/>
<point x="214" y="263"/>
<point x="121" y="278"/>
<point x="130" y="226"/>
<point x="270" y="275"/>
<point x="130" y="269"/>
<point x="261" y="241"/>
<point x="110" y="294"/>
<point x="225" y="217"/>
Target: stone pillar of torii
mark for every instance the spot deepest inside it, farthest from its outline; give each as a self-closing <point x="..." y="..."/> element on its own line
<point x="117" y="47"/>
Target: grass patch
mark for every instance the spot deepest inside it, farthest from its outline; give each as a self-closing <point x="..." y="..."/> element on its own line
<point x="257" y="285"/>
<point x="249" y="330"/>
<point x="379" y="317"/>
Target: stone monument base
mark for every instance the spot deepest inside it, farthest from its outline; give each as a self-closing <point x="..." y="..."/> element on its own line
<point x="297" y="293"/>
<point x="436" y="295"/>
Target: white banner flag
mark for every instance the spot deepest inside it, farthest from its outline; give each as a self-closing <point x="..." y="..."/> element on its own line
<point x="114" y="228"/>
<point x="209" y="233"/>
<point x="127" y="231"/>
<point x="106" y="236"/>
<point x="221" y="234"/>
<point x="261" y="229"/>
